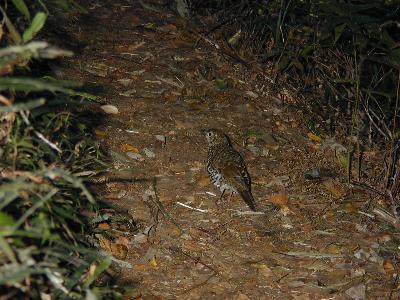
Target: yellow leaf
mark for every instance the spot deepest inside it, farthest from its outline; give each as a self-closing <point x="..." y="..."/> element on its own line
<point x="100" y="133"/>
<point x="314" y="137"/>
<point x="153" y="262"/>
<point x="350" y="208"/>
<point x="130" y="148"/>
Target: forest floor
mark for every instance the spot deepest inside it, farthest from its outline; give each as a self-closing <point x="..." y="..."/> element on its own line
<point x="313" y="239"/>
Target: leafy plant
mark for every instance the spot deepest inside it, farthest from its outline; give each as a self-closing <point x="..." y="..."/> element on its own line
<point x="45" y="206"/>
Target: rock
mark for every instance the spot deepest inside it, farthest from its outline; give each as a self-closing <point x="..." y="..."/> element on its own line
<point x="135" y="156"/>
<point x="356" y="292"/>
<point x="149" y="153"/>
<point x="110" y="109"/>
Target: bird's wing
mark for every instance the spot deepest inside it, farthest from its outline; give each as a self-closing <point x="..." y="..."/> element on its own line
<point x="235" y="174"/>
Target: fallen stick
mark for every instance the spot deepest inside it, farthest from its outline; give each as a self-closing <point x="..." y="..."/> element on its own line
<point x="192" y="208"/>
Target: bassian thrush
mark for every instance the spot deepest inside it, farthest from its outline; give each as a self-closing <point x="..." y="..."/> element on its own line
<point x="226" y="167"/>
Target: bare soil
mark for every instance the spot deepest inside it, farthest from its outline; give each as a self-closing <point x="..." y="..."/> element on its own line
<point x="311" y="242"/>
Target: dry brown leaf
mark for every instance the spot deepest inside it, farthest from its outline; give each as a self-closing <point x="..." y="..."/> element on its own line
<point x="350" y="208"/>
<point x="105" y="244"/>
<point x="245" y="228"/>
<point x="130" y="148"/>
<point x="334" y="188"/>
<point x="329" y="215"/>
<point x="313" y="137"/>
<point x="281" y="199"/>
<point x="118" y="250"/>
<point x="104" y="226"/>
<point x="122" y="240"/>
<point x="315" y="147"/>
<point x="241" y="296"/>
<point x="264" y="270"/>
<point x="333" y="249"/>
<point x="388" y="266"/>
<point x="202" y="180"/>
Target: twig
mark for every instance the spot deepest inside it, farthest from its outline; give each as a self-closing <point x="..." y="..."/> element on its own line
<point x="387" y="217"/>
<point x="195" y="259"/>
<point x="156" y="200"/>
<point x="211" y="194"/>
<point x="197" y="285"/>
<point x="367" y="188"/>
<point x="311" y="254"/>
<point x="46" y="141"/>
<point x="192" y="208"/>
<point x="366" y="214"/>
<point x="38" y="134"/>
<point x="207" y="40"/>
<point x="248" y="212"/>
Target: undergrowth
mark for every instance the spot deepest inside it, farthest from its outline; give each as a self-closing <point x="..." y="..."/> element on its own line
<point x="46" y="210"/>
<point x="342" y="56"/>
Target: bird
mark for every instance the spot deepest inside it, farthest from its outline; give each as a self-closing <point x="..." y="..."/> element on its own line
<point x="226" y="167"/>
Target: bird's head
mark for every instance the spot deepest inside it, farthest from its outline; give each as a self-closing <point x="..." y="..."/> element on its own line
<point x="216" y="137"/>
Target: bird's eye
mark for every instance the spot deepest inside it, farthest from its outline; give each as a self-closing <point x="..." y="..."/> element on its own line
<point x="209" y="134"/>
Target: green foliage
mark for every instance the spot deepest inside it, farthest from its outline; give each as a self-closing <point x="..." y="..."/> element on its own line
<point x="44" y="203"/>
<point x="348" y="49"/>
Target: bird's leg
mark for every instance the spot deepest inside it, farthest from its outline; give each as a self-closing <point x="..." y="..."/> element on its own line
<point x="222" y="194"/>
<point x="230" y="197"/>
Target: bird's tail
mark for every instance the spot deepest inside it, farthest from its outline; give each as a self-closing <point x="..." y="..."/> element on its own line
<point x="248" y="198"/>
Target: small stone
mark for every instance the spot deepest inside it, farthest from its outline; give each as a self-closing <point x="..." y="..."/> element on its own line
<point x="161" y="138"/>
<point x="251" y="94"/>
<point x="109" y="109"/>
<point x="128" y="93"/>
<point x="149" y="153"/>
<point x="121" y="194"/>
<point x="135" y="156"/>
<point x="356" y="292"/>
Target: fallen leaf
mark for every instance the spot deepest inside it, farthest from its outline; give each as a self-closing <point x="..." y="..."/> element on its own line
<point x="100" y="133"/>
<point x="314" y="137"/>
<point x="329" y="215"/>
<point x="357" y="292"/>
<point x="333" y="249"/>
<point x="281" y="199"/>
<point x="202" y="180"/>
<point x="334" y="188"/>
<point x="135" y="156"/>
<point x="264" y="270"/>
<point x="122" y="240"/>
<point x="169" y="28"/>
<point x="149" y="153"/>
<point x="119" y="251"/>
<point x="350" y="208"/>
<point x="241" y="296"/>
<point x="388" y="267"/>
<point x="130" y="148"/>
<point x="153" y="262"/>
<point x="104" y="226"/>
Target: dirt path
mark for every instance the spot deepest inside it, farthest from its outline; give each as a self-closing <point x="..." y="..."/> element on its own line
<point x="166" y="86"/>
